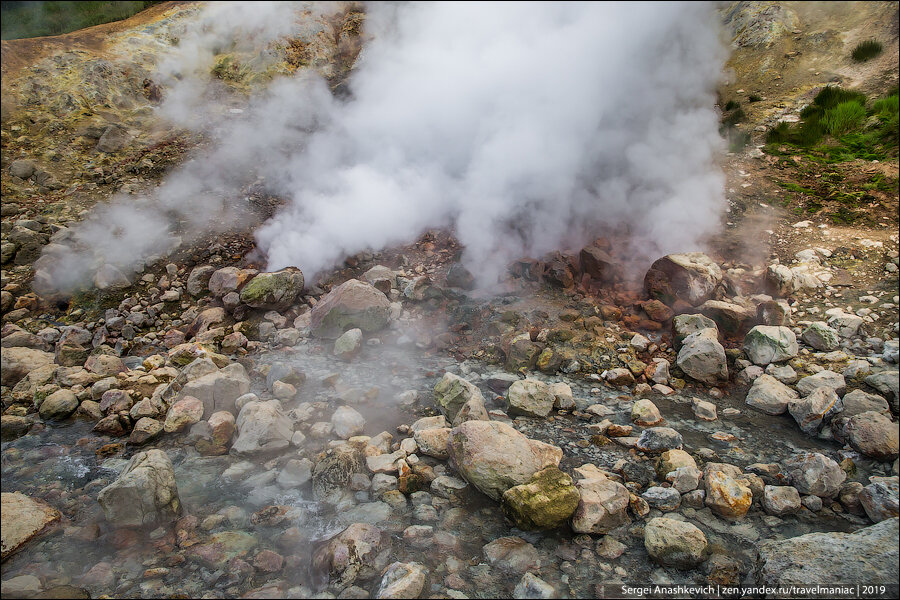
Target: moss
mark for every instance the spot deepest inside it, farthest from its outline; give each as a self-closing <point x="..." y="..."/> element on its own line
<point x="545" y="502"/>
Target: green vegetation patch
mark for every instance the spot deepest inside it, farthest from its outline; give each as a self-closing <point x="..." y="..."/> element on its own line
<point x="36" y="19"/>
<point x="839" y="126"/>
<point x="866" y="50"/>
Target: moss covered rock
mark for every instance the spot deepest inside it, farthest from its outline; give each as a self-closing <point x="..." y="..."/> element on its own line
<point x="277" y="290"/>
<point x="545" y="502"/>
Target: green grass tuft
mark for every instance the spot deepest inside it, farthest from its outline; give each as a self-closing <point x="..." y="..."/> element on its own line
<point x="842" y="115"/>
<point x="866" y="50"/>
<point x="832" y="95"/>
<point x="844" y="118"/>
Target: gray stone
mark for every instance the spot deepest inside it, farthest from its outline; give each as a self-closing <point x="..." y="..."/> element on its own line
<point x="353" y="304"/>
<point x="58" y="405"/>
<point x="348" y="344"/>
<point x="529" y="397"/>
<point x="452" y="392"/>
<point x="873" y="434"/>
<point x="781" y="500"/>
<point x="770" y="395"/>
<point x="494" y="457"/>
<point x="262" y="427"/>
<point x="16" y="363"/>
<point x="887" y="383"/>
<point x="691" y="277"/>
<point x="880" y="498"/>
<point x="868" y="556"/>
<point x="766" y="344"/>
<point x="665" y="499"/>
<point x="685" y="325"/>
<point x="815" y="410"/>
<point x="672" y="543"/>
<point x="402" y="580"/>
<point x="659" y="439"/>
<point x="858" y="401"/>
<point x="219" y="390"/>
<point x="532" y="587"/>
<point x="602" y="506"/>
<point x="815" y="474"/>
<point x="821" y="337"/>
<point x="144" y="492"/>
<point x="198" y="280"/>
<point x="827" y="379"/>
<point x="702" y="357"/>
<point x="347" y="422"/>
<point x="278" y="290"/>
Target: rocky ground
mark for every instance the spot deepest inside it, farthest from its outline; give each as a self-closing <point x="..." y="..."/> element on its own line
<point x="200" y="428"/>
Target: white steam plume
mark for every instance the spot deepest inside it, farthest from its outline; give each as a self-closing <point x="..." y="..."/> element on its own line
<point x="524" y="127"/>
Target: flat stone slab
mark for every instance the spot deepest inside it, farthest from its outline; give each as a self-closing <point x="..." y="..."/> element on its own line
<point x="21" y="519"/>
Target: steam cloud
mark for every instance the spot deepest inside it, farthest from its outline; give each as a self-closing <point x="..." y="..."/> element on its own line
<point x="524" y="128"/>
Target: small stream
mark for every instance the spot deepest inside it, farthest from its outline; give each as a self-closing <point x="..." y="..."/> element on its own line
<point x="221" y="494"/>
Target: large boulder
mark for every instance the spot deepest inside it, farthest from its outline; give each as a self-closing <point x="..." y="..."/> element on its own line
<point x="691" y="277"/>
<point x="144" y="493"/>
<point x="228" y="279"/>
<point x="731" y="318"/>
<point x="58" y="405"/>
<point x="673" y="543"/>
<point x="702" y="357"/>
<point x="347" y="422"/>
<point x="402" y="580"/>
<point x="598" y="264"/>
<point x="727" y="496"/>
<point x="278" y="290"/>
<point x="819" y="336"/>
<point x="198" y="280"/>
<point x="453" y="392"/>
<point x="184" y="412"/>
<point x="879" y="499"/>
<point x="765" y="344"/>
<point x="887" y="383"/>
<point x="545" y="502"/>
<point x="770" y="395"/>
<point x="218" y="390"/>
<point x="494" y="457"/>
<point x="529" y="397"/>
<point x="353" y="304"/>
<point x="858" y="401"/>
<point x="602" y="505"/>
<point x="333" y="471"/>
<point x="815" y="474"/>
<point x="780" y="500"/>
<point x="874" y="435"/>
<point x="21" y="519"/>
<point x="868" y="556"/>
<point x="17" y="362"/>
<point x="512" y="554"/>
<point x="815" y="410"/>
<point x="823" y="379"/>
<point x="262" y="427"/>
<point x="685" y="325"/>
<point x="655" y="440"/>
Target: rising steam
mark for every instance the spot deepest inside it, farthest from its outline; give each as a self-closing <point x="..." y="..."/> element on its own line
<point x="523" y="127"/>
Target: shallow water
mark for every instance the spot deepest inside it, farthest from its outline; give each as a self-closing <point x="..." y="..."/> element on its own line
<point x="59" y="464"/>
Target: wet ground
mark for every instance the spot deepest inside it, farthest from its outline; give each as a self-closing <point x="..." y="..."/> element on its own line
<point x="221" y="494"/>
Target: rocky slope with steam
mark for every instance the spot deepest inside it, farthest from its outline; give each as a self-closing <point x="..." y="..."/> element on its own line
<point x="261" y="338"/>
